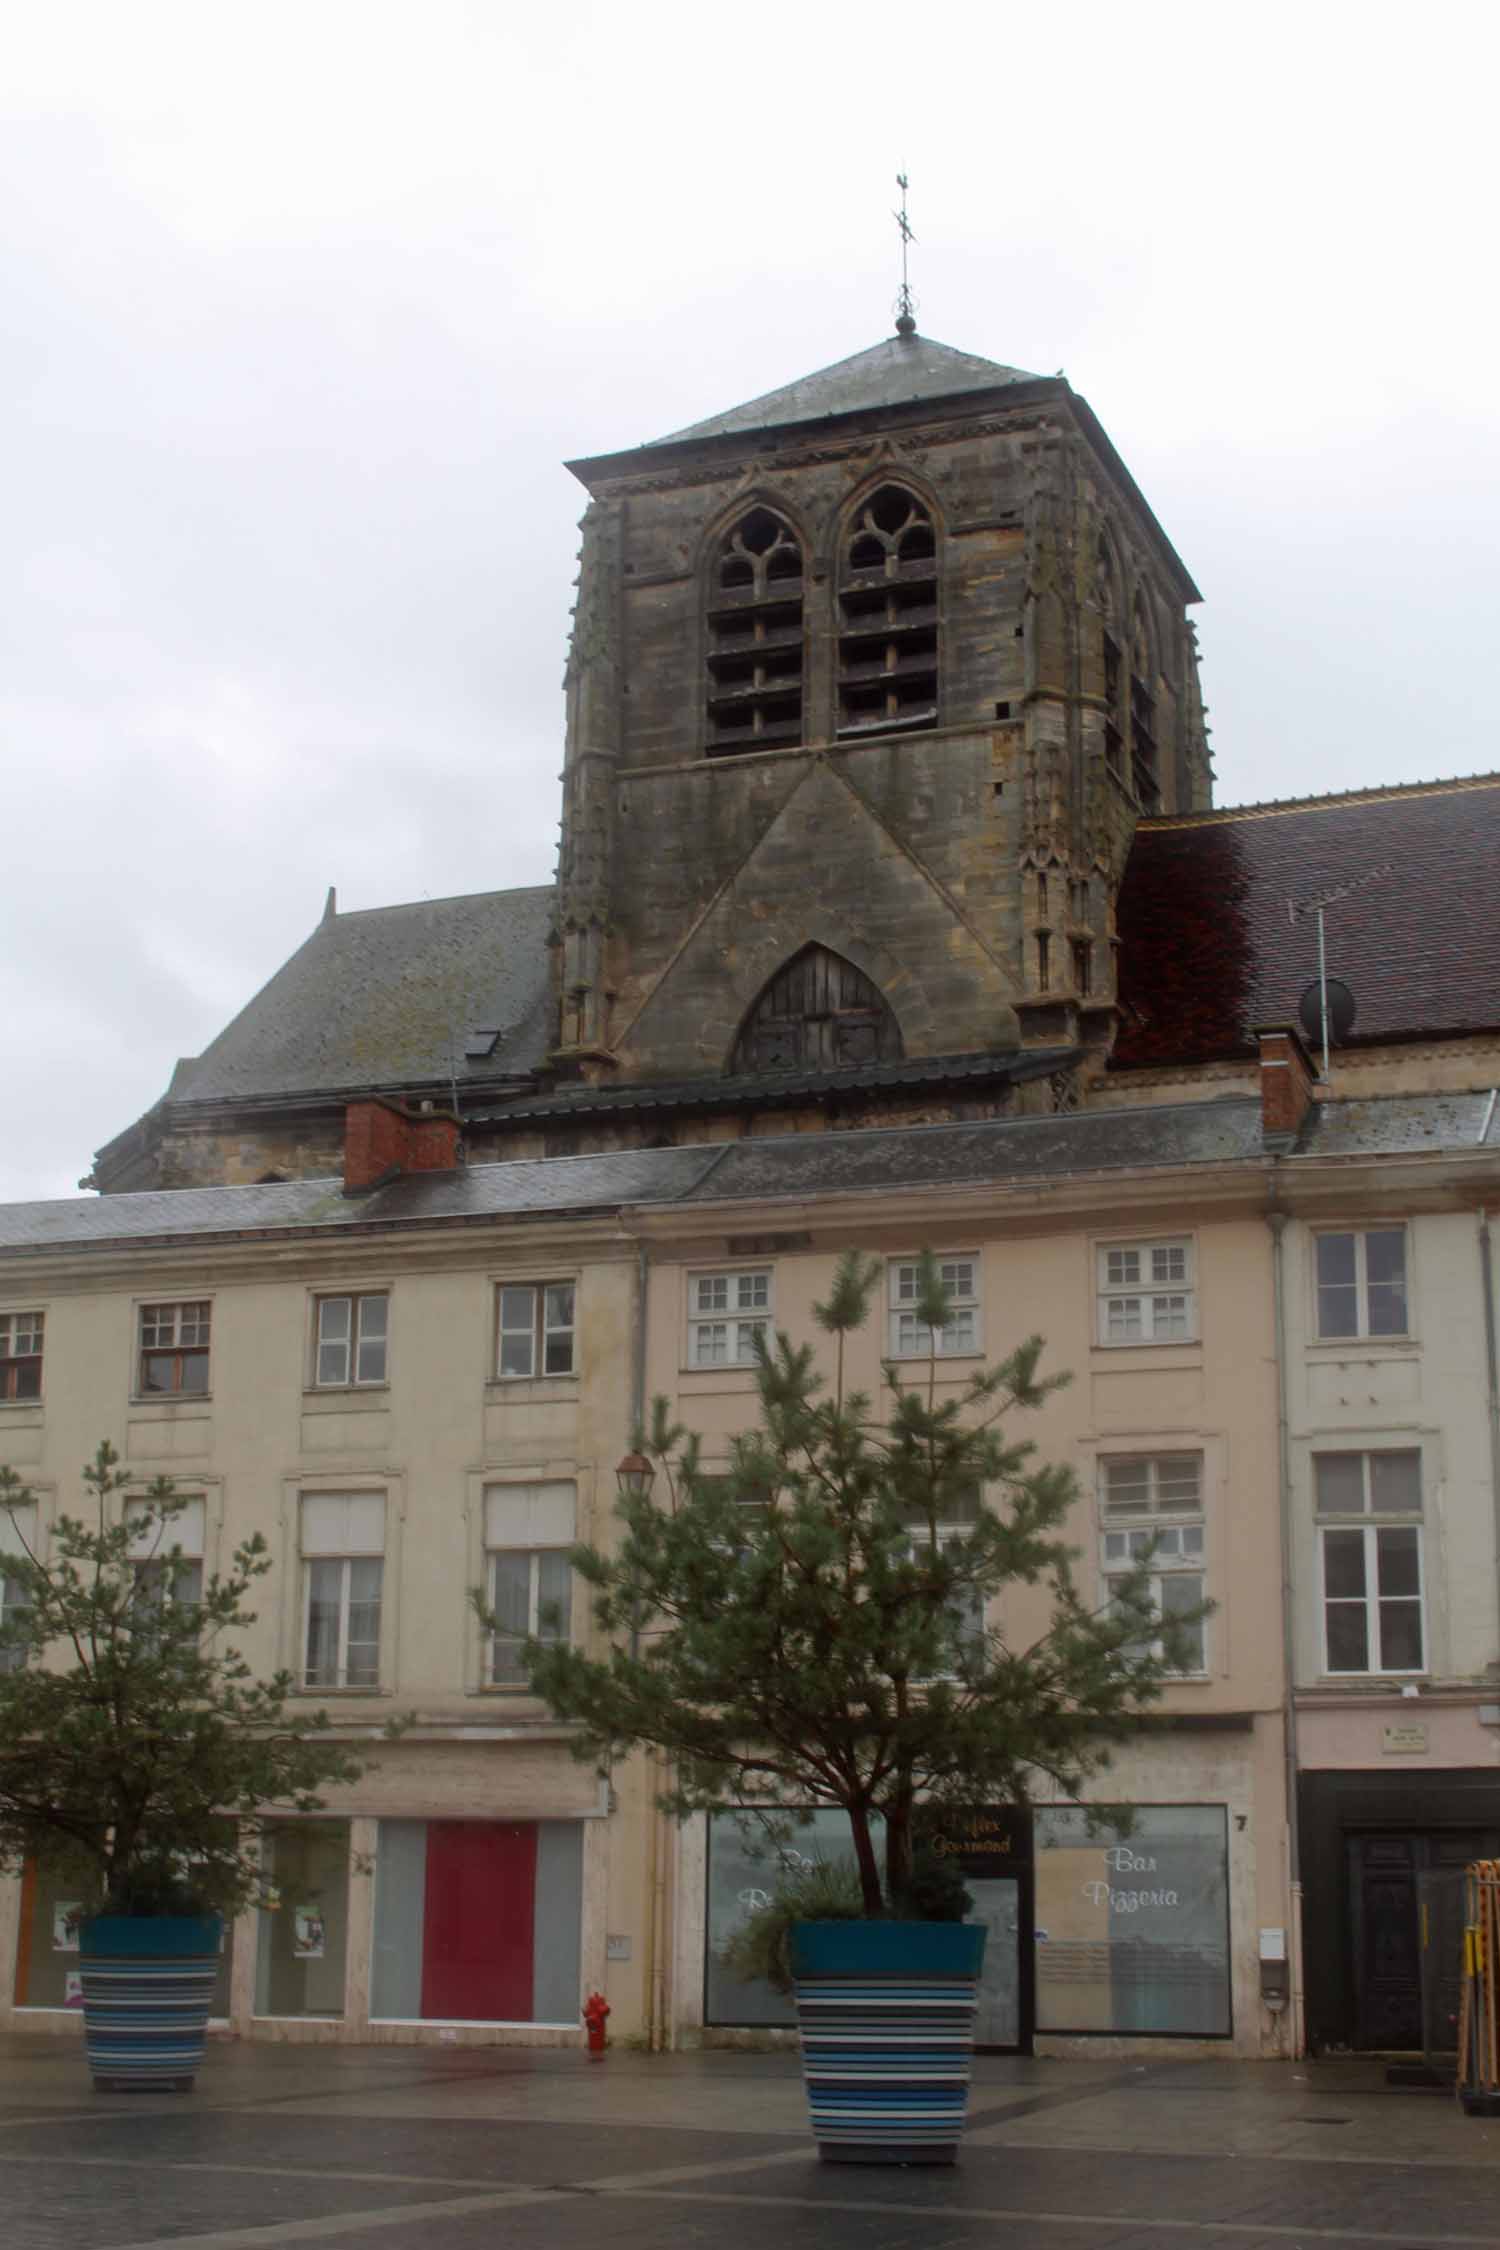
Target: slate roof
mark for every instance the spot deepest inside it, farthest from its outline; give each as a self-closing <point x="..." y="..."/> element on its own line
<point x="533" y="1186"/>
<point x="1208" y="951"/>
<point x="774" y="1087"/>
<point x="890" y="373"/>
<point x="388" y="998"/>
<point x="774" y="1168"/>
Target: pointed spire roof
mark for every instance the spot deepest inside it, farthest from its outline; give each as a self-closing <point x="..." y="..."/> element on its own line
<point x="891" y="373"/>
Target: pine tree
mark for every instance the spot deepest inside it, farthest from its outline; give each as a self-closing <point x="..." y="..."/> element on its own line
<point x="819" y="1628"/>
<point x="133" y="1737"/>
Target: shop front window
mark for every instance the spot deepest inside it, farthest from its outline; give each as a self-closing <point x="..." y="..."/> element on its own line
<point x="744" y="1866"/>
<point x="477" y="1921"/>
<point x="48" y="1961"/>
<point x="1132" y="1922"/>
<point x="300" y="1953"/>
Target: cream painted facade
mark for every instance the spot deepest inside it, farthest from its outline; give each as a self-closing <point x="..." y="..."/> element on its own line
<point x="1210" y="1398"/>
<point x="428" y="1443"/>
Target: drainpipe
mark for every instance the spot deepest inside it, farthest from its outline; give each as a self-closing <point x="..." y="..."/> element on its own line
<point x="1276" y="1221"/>
<point x="1487" y="1292"/>
<point x="655" y="1965"/>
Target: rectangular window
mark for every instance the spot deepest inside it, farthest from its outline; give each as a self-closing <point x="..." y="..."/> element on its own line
<point x="966" y="1619"/>
<point x="1132" y="1923"/>
<point x="528" y="1530"/>
<point x="343" y="1550"/>
<point x="351" y="1340"/>
<point x="478" y="1921"/>
<point x="174" y="1349"/>
<point x="17" y="1537"/>
<point x="304" y="1927"/>
<point x="1151" y="1507"/>
<point x="535" y="1328"/>
<point x="1146" y="1293"/>
<point x="726" y="1312"/>
<point x="1362" y="1283"/>
<point x="20" y="1355"/>
<point x="911" y="1338"/>
<point x="1372" y="1570"/>
<point x="167" y="1555"/>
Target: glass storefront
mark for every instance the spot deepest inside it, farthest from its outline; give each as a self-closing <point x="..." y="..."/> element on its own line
<point x="47" y="1956"/>
<point x="1132" y="1926"/>
<point x="303" y="1935"/>
<point x="743" y="1865"/>
<point x="478" y="1921"/>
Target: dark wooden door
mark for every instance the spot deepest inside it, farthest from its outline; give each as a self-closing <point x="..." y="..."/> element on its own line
<point x="1384" y="1928"/>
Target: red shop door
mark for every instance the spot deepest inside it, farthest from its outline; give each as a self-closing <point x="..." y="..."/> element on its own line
<point x="476" y="1938"/>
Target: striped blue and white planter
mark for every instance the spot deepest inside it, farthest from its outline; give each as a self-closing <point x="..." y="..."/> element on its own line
<point x="147" y="1984"/>
<point x="886" y="2011"/>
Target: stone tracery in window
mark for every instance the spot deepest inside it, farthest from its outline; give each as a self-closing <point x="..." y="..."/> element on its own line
<point x="888" y="617"/>
<point x="817" y="1013"/>
<point x="755" y="639"/>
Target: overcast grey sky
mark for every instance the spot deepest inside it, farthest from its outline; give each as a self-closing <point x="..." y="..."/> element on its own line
<point x="304" y="305"/>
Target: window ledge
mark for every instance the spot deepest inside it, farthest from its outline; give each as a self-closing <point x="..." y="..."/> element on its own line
<point x="1190" y="1346"/>
<point x="942" y="1359"/>
<point x="1362" y="1347"/>
<point x="512" y="1386"/>
<point x="22" y="1406"/>
<point x="358" y="1694"/>
<point x="176" y="1403"/>
<point x="342" y="1393"/>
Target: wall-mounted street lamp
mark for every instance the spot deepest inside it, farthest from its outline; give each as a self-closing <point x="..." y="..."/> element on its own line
<point x="635" y="1477"/>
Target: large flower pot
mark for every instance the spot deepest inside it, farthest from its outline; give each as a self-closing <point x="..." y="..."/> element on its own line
<point x="886" y="2011"/>
<point x="147" y="1984"/>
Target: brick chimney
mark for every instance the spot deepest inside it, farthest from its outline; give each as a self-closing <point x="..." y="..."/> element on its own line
<point x="1287" y="1078"/>
<point x="383" y="1140"/>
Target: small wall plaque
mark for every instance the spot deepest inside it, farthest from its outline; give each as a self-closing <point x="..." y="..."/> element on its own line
<point x="616" y="1948"/>
<point x="1403" y="1742"/>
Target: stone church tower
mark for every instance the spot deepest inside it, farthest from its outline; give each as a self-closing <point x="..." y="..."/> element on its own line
<point x="870" y="681"/>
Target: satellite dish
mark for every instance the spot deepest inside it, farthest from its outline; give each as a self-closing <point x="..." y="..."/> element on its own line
<point x="1340" y="1012"/>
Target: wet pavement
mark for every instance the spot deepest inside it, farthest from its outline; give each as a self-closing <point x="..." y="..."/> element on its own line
<point x="418" y="2149"/>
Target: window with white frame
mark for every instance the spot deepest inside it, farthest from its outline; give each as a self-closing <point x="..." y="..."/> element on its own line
<point x="1369" y="1509"/>
<point x="1146" y="1292"/>
<point x="20" y="1356"/>
<point x="1362" y="1282"/>
<point x="726" y="1312"/>
<point x="910" y="1336"/>
<point x="1151" y="1514"/>
<point x="174" y="1348"/>
<point x="534" y="1328"/>
<point x="343" y="1566"/>
<point x="166" y="1553"/>
<point x="350" y="1340"/>
<point x="528" y="1531"/>
<point x="18" y="1529"/>
<point x="959" y="1514"/>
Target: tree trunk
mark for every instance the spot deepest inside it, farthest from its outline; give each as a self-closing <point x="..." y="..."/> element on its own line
<point x="898" y="1821"/>
<point x="866" y="1861"/>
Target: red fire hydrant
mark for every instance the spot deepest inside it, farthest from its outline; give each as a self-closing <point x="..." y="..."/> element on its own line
<point x="595" y="2014"/>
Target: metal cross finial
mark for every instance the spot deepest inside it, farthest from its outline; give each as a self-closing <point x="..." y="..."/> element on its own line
<point x="906" y="322"/>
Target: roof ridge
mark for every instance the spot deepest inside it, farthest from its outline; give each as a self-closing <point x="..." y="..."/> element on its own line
<point x="1329" y="801"/>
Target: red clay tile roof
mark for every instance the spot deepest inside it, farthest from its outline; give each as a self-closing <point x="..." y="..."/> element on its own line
<point x="1208" y="950"/>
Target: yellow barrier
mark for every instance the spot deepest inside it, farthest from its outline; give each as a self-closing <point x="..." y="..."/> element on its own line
<point x="1479" y="2016"/>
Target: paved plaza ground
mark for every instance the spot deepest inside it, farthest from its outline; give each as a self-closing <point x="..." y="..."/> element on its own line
<point x="421" y="2149"/>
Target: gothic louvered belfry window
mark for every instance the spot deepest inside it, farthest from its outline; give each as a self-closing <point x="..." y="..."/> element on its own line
<point x="888" y="617"/>
<point x="815" y="1014"/>
<point x="1144" y="773"/>
<point x="755" y="637"/>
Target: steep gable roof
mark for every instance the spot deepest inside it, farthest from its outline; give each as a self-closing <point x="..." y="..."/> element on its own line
<point x="1209" y="948"/>
<point x="391" y="997"/>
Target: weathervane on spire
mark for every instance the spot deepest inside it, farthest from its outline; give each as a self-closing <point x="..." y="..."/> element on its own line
<point x="906" y="319"/>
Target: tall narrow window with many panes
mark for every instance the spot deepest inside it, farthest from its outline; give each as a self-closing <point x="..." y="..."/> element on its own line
<point x="18" y="1543"/>
<point x="888" y="617"/>
<point x="529" y="1530"/>
<point x="350" y="1348"/>
<point x="343" y="1570"/>
<point x="1369" y="1508"/>
<point x="1151" y="1519"/>
<point x="534" y="1329"/>
<point x="174" y="1348"/>
<point x="20" y="1356"/>
<point x="755" y="637"/>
